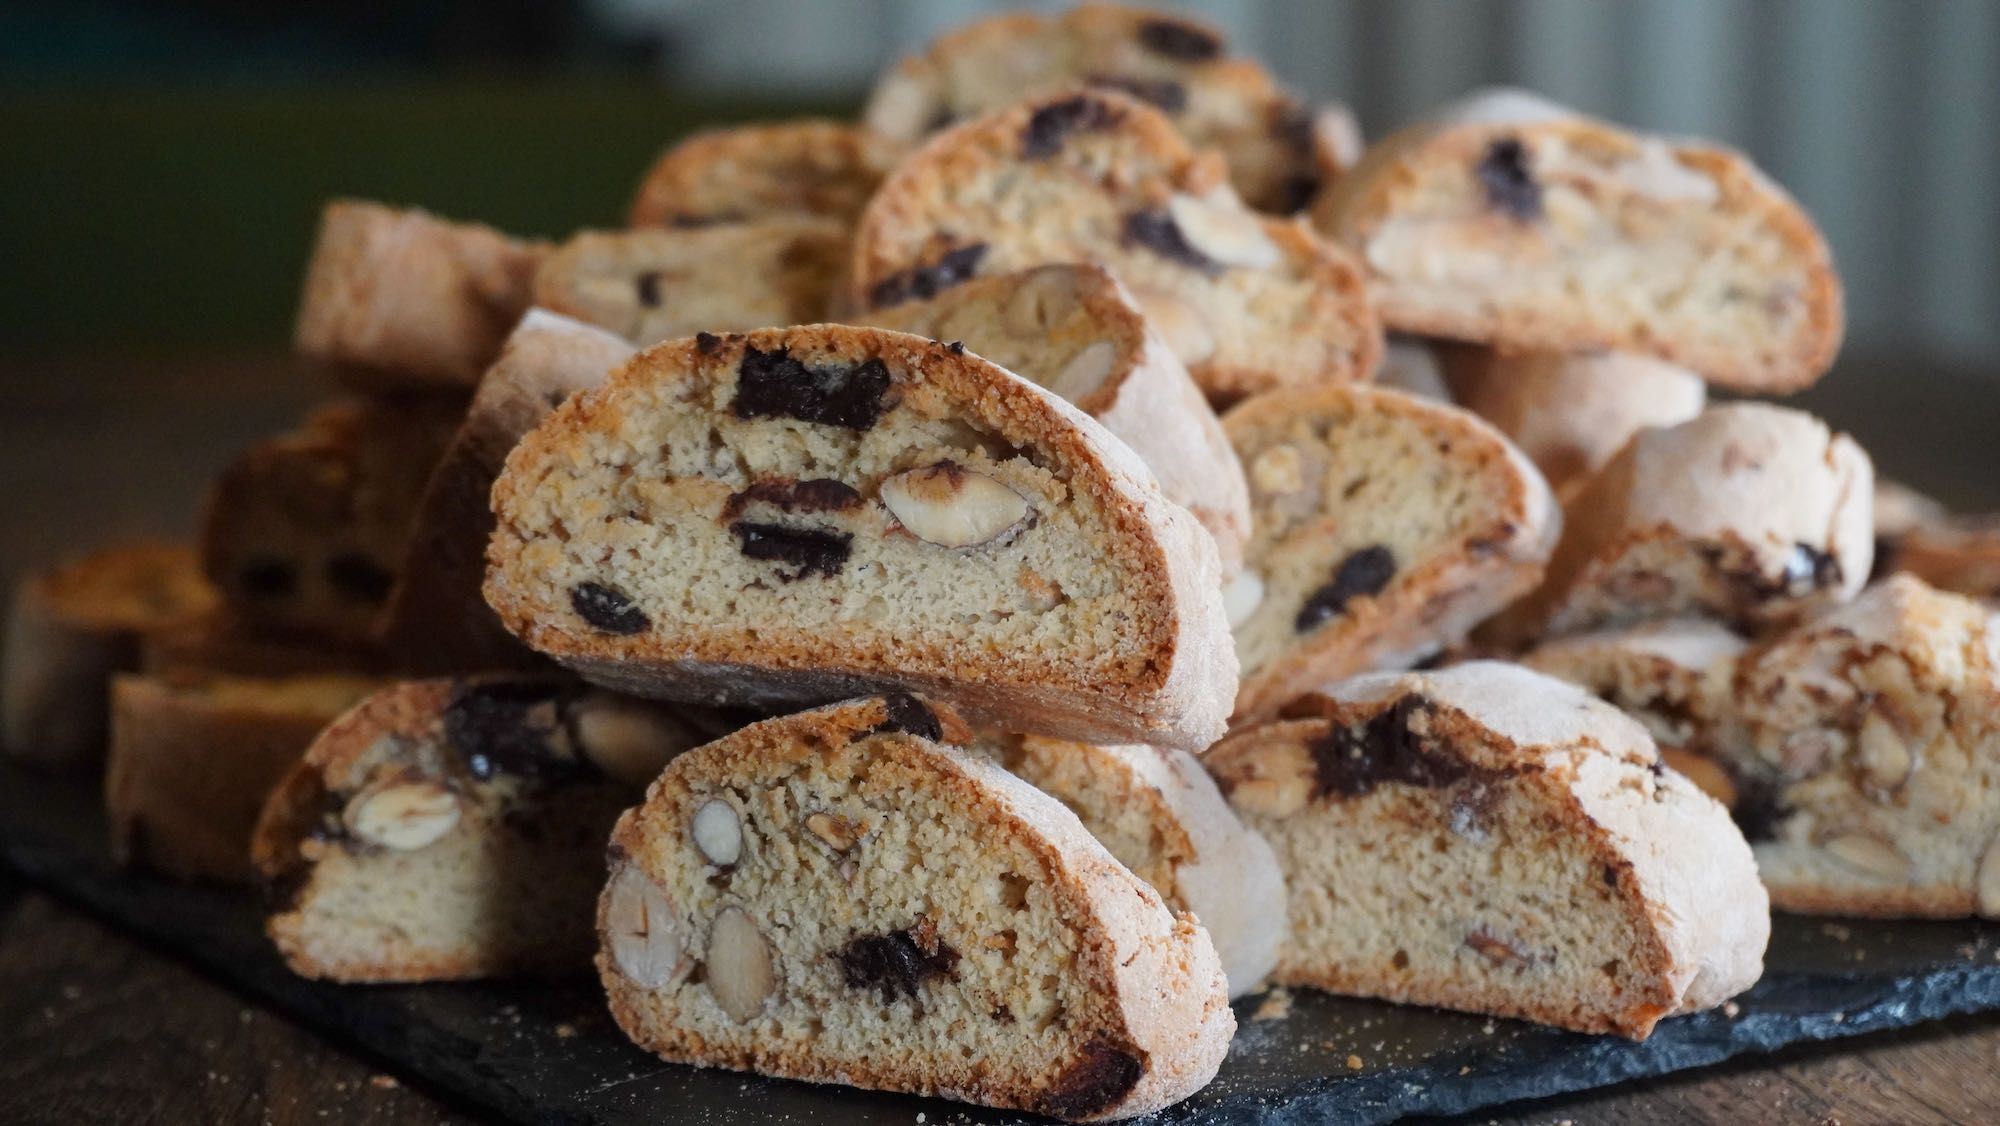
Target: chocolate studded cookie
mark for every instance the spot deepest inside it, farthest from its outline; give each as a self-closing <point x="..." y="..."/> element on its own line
<point x="1509" y="221"/>
<point x="444" y="830"/>
<point x="1491" y="839"/>
<point x="841" y="896"/>
<point x="779" y="168"/>
<point x="1248" y="303"/>
<point x="1076" y="331"/>
<point x="1386" y="527"/>
<point x="772" y="518"/>
<point x="402" y="299"/>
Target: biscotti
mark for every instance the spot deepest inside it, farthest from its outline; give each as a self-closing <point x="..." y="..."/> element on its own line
<point x="1515" y="223"/>
<point x="1960" y="554"/>
<point x="1247" y="303"/>
<point x="193" y="758"/>
<point x="770" y="519"/>
<point x="1077" y="332"/>
<point x="840" y="896"/>
<point x="399" y="298"/>
<point x="71" y="627"/>
<point x="303" y="532"/>
<point x="444" y="830"/>
<point x="1159" y="813"/>
<point x="1869" y="739"/>
<point x="778" y="168"/>
<point x="1281" y="153"/>
<point x="659" y="283"/>
<point x="1675" y="677"/>
<point x="1490" y="839"/>
<point x="1385" y="528"/>
<point x="1751" y="514"/>
<point x="1571" y="412"/>
<point x="436" y="621"/>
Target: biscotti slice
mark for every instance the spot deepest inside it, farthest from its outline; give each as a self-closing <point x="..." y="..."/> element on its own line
<point x="777" y="168"/>
<point x="1248" y="303"/>
<point x="659" y="283"/>
<point x="1491" y="839"/>
<point x="1516" y="223"/>
<point x="1751" y="514"/>
<point x="444" y="830"/>
<point x="1957" y="553"/>
<point x="71" y="627"/>
<point x="775" y="518"/>
<point x="398" y="297"/>
<point x="1076" y="331"/>
<point x="1159" y="813"/>
<point x="1870" y="743"/>
<point x="303" y="532"/>
<point x="1385" y="528"/>
<point x="1280" y="151"/>
<point x="1570" y="412"/>
<point x="436" y="620"/>
<point x="1674" y="677"/>
<point x="193" y="758"/>
<point x="839" y="896"/>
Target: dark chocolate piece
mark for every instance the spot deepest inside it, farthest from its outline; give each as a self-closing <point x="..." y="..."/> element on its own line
<point x="517" y="727"/>
<point x="1106" y="1073"/>
<point x="1177" y="40"/>
<point x="1510" y="186"/>
<point x="1049" y="126"/>
<point x="1163" y="94"/>
<point x="268" y="578"/>
<point x="356" y="576"/>
<point x="774" y="385"/>
<point x="1351" y="761"/>
<point x="899" y="962"/>
<point x="1157" y="232"/>
<point x="924" y="282"/>
<point x="1365" y="572"/>
<point x="910" y="716"/>
<point x="648" y="285"/>
<point x="608" y="609"/>
<point x="820" y="494"/>
<point x="814" y="551"/>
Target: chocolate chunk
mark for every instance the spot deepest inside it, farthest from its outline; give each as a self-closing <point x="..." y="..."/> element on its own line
<point x="1510" y="186"/>
<point x="1351" y="761"/>
<point x="608" y="609"/>
<point x="706" y="343"/>
<point x="1364" y="572"/>
<point x="899" y="962"/>
<point x="356" y="576"/>
<point x="268" y="578"/>
<point x="820" y="551"/>
<point x="1760" y="808"/>
<point x="774" y="385"/>
<point x="1157" y="232"/>
<point x="1176" y="40"/>
<point x="648" y="285"/>
<point x="1106" y="1073"/>
<point x="1163" y="94"/>
<point x="517" y="727"/>
<point x="924" y="282"/>
<point x="956" y="347"/>
<point x="820" y="494"/>
<point x="282" y="889"/>
<point x="908" y="714"/>
<point x="1808" y="569"/>
<point x="1295" y="194"/>
<point x="1050" y="125"/>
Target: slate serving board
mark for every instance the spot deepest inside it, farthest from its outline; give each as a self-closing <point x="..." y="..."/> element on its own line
<point x="547" y="1053"/>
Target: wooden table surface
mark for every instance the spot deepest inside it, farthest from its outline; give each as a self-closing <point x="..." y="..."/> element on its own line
<point x="95" y="1026"/>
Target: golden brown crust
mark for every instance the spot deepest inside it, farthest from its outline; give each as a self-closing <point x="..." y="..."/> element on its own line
<point x="810" y="166"/>
<point x="1165" y="691"/>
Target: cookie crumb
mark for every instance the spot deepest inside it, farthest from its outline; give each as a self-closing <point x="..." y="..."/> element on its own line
<point x="383" y="1082"/>
<point x="1731" y="1009"/>
<point x="1276" y="1005"/>
<point x="1353" y="1063"/>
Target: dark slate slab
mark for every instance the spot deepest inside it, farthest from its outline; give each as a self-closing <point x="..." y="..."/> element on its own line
<point x="547" y="1053"/>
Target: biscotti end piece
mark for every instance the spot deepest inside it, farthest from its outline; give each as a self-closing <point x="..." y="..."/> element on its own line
<point x="1076" y="331"/>
<point x="804" y="167"/>
<point x="1571" y="412"/>
<point x="773" y="518"/>
<point x="1563" y="875"/>
<point x="838" y="896"/>
<point x="1248" y="303"/>
<point x="1386" y="527"/>
<point x="1159" y="813"/>
<point x="303" y="532"/>
<point x="436" y="621"/>
<point x="454" y="829"/>
<point x="73" y="625"/>
<point x="1751" y="514"/>
<point x="656" y="284"/>
<point x="1511" y="222"/>
<point x="193" y="757"/>
<point x="1281" y="152"/>
<point x="1871" y="739"/>
<point x="413" y="300"/>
